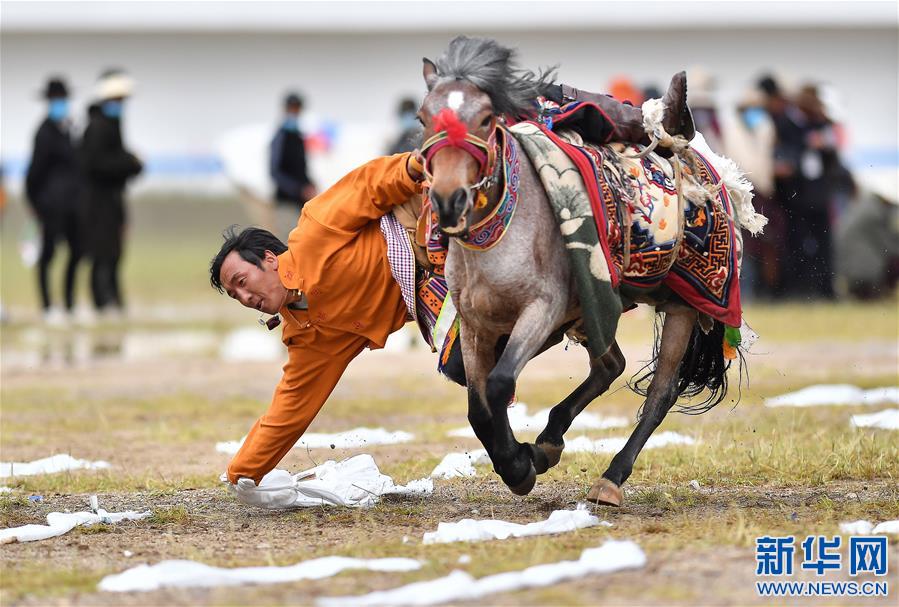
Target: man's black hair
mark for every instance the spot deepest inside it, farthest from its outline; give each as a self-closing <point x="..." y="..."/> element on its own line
<point x="251" y="244"/>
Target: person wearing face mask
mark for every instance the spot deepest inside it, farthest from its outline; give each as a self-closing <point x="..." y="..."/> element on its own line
<point x="410" y="129"/>
<point x="108" y="166"/>
<point x="52" y="187"/>
<point x="288" y="168"/>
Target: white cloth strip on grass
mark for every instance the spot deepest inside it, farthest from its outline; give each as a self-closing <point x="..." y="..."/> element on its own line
<point x="455" y="465"/>
<point x="59" y="523"/>
<point x="888" y="419"/>
<point x="191" y="574"/>
<point x="520" y="421"/>
<point x="869" y="528"/>
<point x="471" y="530"/>
<point x="460" y="586"/>
<point x="834" y="394"/>
<point x="48" y="465"/>
<point x="354" y="482"/>
<point x="584" y="444"/>
<point x="357" y="437"/>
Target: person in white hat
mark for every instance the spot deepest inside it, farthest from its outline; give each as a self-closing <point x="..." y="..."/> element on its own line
<point x="108" y="166"/>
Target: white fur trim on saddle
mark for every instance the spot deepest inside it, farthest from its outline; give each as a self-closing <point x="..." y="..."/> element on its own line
<point x="738" y="187"/>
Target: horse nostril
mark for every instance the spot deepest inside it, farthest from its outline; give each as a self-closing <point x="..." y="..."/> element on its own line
<point x="437" y="199"/>
<point x="458" y="199"/>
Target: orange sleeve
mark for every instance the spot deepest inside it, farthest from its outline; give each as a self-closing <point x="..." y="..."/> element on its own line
<point x="363" y="195"/>
<point x="311" y="373"/>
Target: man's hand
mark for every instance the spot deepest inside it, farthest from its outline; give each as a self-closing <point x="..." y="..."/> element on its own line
<point x="275" y="491"/>
<point x="415" y="166"/>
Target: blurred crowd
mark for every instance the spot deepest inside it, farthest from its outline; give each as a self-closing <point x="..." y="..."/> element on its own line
<point x="830" y="233"/>
<point x="75" y="187"/>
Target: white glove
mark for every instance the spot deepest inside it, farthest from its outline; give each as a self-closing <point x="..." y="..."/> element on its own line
<point x="275" y="491"/>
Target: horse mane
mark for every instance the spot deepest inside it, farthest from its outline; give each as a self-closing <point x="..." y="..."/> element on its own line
<point x="493" y="69"/>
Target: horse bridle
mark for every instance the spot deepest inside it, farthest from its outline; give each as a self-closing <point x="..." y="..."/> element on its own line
<point x="483" y="151"/>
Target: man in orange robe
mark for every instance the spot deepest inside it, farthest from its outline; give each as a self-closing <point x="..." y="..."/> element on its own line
<point x="334" y="288"/>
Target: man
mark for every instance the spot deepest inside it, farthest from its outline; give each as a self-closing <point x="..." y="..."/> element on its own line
<point x="108" y="166"/>
<point x="338" y="286"/>
<point x="287" y="165"/>
<point x="334" y="287"/>
<point x="52" y="186"/>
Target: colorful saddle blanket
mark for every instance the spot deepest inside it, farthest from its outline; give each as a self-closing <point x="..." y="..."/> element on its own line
<point x="637" y="235"/>
<point x="621" y="220"/>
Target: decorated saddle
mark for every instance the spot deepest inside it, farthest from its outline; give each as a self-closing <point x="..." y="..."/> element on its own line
<point x="642" y="224"/>
<point x="630" y="224"/>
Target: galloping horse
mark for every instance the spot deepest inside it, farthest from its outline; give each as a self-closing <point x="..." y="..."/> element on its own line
<point x="517" y="296"/>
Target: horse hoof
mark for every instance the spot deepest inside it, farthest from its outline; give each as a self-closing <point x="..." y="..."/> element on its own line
<point x="553" y="453"/>
<point x="525" y="486"/>
<point x="605" y="492"/>
<point x="539" y="458"/>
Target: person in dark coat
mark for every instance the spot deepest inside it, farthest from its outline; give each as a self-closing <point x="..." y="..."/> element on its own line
<point x="52" y="186"/>
<point x="287" y="166"/>
<point x="804" y="275"/>
<point x="108" y="166"/>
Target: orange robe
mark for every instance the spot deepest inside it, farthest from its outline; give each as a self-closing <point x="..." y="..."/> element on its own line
<point x="337" y="257"/>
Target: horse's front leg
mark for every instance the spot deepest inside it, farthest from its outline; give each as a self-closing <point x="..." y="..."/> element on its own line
<point x="513" y="461"/>
<point x="660" y="397"/>
<point x="478" y="359"/>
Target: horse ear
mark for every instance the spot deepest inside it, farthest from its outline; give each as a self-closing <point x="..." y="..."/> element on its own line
<point x="429" y="71"/>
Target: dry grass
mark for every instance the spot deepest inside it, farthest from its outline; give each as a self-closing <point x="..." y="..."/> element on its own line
<point x="761" y="471"/>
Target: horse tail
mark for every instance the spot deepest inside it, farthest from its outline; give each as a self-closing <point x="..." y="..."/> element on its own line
<point x="703" y="369"/>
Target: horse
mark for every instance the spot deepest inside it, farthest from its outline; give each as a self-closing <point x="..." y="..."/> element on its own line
<point x="517" y="297"/>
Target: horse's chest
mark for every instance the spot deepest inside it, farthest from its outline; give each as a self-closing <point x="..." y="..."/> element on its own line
<point x="483" y="292"/>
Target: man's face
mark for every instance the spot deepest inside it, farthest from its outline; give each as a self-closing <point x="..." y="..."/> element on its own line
<point x="254" y="287"/>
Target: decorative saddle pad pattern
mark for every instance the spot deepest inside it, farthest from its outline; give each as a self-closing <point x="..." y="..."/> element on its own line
<point x="702" y="267"/>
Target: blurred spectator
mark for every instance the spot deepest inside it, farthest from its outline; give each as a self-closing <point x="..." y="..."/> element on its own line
<point x="701" y="99"/>
<point x="623" y="89"/>
<point x="410" y="129"/>
<point x="108" y="166"/>
<point x="651" y="91"/>
<point x="52" y="186"/>
<point x="866" y="241"/>
<point x="806" y="265"/>
<point x="748" y="138"/>
<point x="288" y="167"/>
<point x="822" y="177"/>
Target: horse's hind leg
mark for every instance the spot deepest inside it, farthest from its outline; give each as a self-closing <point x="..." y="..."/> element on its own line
<point x="661" y="396"/>
<point x="603" y="371"/>
<point x="514" y="461"/>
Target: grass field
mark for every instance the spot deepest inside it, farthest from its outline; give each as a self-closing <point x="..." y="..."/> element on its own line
<point x="156" y="419"/>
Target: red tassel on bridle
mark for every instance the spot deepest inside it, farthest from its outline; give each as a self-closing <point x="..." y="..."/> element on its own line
<point x="449" y="130"/>
<point x="447" y="120"/>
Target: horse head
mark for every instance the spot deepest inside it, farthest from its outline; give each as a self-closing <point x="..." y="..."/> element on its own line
<point x="459" y="147"/>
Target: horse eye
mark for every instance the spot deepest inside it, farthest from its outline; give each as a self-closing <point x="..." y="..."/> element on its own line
<point x="420" y="121"/>
<point x="486" y="122"/>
